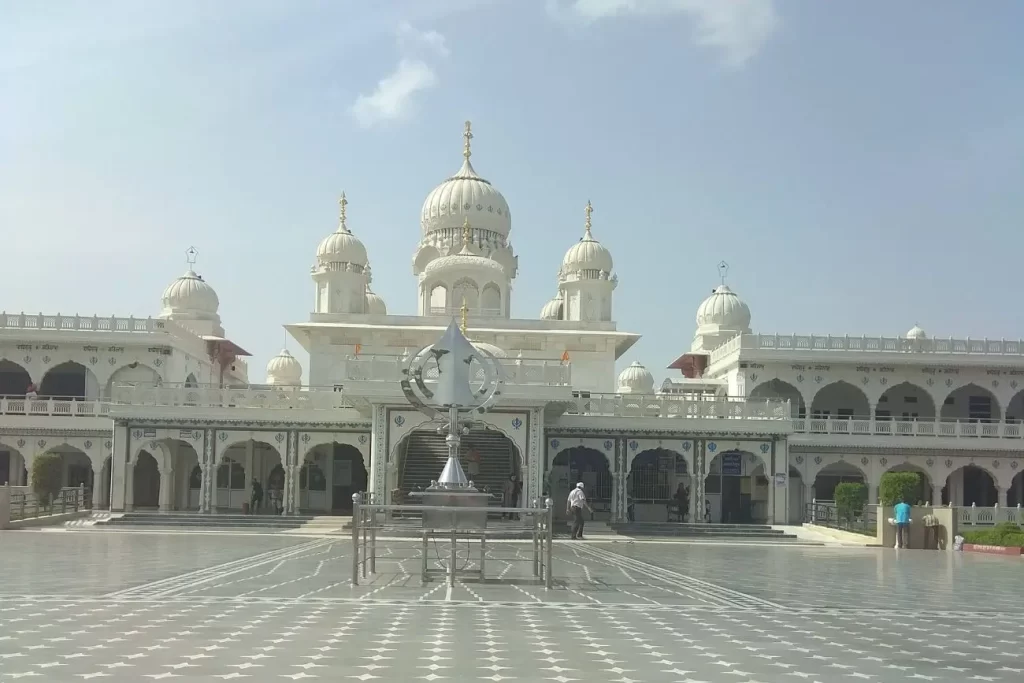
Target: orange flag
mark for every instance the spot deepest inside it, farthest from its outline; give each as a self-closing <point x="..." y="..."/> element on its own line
<point x="359" y="347"/>
<point x="565" y="356"/>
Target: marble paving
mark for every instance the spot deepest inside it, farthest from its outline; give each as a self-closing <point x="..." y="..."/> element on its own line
<point x="83" y="606"/>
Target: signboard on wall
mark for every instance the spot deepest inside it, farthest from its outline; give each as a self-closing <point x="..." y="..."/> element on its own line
<point x="732" y="464"/>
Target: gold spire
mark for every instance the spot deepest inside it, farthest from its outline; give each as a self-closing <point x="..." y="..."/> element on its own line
<point x="467" y="135"/>
<point x="465" y="317"/>
<point x="467" y="234"/>
<point x="343" y="202"/>
<point x="589" y="210"/>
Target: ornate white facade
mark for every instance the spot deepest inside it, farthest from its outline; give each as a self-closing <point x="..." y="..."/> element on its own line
<point x="159" y="413"/>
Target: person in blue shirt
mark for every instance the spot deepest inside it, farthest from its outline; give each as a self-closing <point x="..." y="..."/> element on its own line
<point x="902" y="518"/>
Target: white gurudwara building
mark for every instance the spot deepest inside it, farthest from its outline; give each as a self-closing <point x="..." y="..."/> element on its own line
<point x="160" y="412"/>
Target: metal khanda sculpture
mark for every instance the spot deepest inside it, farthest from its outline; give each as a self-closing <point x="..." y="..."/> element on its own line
<point x="469" y="380"/>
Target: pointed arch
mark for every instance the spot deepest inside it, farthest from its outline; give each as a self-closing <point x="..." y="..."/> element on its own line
<point x="840" y="400"/>
<point x="972" y="484"/>
<point x="69" y="380"/>
<point x="14" y="379"/>
<point x="905" y="401"/>
<point x="971" y="403"/>
<point x="780" y="389"/>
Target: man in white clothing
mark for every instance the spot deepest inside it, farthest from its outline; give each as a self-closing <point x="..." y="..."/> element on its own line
<point x="577" y="501"/>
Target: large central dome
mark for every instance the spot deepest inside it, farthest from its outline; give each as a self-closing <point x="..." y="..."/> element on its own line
<point x="466" y="195"/>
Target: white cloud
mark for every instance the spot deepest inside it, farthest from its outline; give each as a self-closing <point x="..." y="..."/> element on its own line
<point x="395" y="94"/>
<point x="393" y="98"/>
<point x="738" y="28"/>
<point x="411" y="40"/>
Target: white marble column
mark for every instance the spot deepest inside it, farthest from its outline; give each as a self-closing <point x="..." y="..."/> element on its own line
<point x="166" y="489"/>
<point x="616" y="515"/>
<point x="250" y="471"/>
<point x="778" y="496"/>
<point x="129" y="487"/>
<point x="97" y="487"/>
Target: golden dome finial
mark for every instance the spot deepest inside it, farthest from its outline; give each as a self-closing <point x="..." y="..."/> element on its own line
<point x="589" y="210"/>
<point x="463" y="325"/>
<point x="343" y="202"/>
<point x="467" y="135"/>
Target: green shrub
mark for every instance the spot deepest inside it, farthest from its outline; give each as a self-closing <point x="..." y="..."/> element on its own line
<point x="47" y="477"/>
<point x="896" y="486"/>
<point x="850" y="499"/>
<point x="1005" y="534"/>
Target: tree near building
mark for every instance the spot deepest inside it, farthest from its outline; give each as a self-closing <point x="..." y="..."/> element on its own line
<point x="47" y="477"/>
<point x="850" y="500"/>
<point x="896" y="486"/>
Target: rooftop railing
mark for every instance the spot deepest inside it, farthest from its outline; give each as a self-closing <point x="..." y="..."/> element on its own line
<point x="57" y="406"/>
<point x="920" y="427"/>
<point x="455" y="312"/>
<point x="865" y="344"/>
<point x="304" y="398"/>
<point x="523" y="372"/>
<point x="633" y="405"/>
<point x="40" y="321"/>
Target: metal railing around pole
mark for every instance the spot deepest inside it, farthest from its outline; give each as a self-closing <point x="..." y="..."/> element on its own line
<point x="369" y="519"/>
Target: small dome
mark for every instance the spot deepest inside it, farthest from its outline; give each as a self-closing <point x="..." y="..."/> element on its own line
<point x="341" y="246"/>
<point x="636" y="379"/>
<point x="284" y="370"/>
<point x="916" y="332"/>
<point x="466" y="260"/>
<point x="495" y="351"/>
<point x="375" y="304"/>
<point x="588" y="256"/>
<point x="724" y="310"/>
<point x="466" y="195"/>
<point x="552" y="310"/>
<point x="190" y="297"/>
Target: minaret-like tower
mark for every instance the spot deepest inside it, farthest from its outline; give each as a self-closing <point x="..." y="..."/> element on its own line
<point x="342" y="272"/>
<point x="585" y="280"/>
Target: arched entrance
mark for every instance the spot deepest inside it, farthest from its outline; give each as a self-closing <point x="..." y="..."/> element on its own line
<point x="242" y="464"/>
<point x="653" y="483"/>
<point x="101" y="498"/>
<point x="69" y="380"/>
<point x="14" y="379"/>
<point x="145" y="482"/>
<point x="735" y="490"/>
<point x="833" y="475"/>
<point x="134" y="373"/>
<point x="970" y="485"/>
<point x="581" y="464"/>
<point x="1015" y="496"/>
<point x="487" y="456"/>
<point x="13" y="469"/>
<point x="329" y="476"/>
<point x="778" y="389"/>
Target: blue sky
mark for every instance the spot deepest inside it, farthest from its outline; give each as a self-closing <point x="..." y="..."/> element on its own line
<point x="858" y="164"/>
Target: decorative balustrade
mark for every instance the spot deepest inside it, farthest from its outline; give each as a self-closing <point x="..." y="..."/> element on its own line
<point x="824" y="344"/>
<point x="456" y="312"/>
<point x="524" y="372"/>
<point x="61" y="407"/>
<point x="989" y="516"/>
<point x="634" y="405"/>
<point x="939" y="427"/>
<point x="40" y="321"/>
<point x="309" y="398"/>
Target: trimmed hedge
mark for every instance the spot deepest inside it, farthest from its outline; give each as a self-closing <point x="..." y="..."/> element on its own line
<point x="1004" y="534"/>
<point x="850" y="500"/>
<point x="47" y="477"/>
<point x="896" y="486"/>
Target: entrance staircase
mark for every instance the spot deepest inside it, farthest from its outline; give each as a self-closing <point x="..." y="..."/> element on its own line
<point x="740" y="533"/>
<point x="192" y="520"/>
<point x="426" y="454"/>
